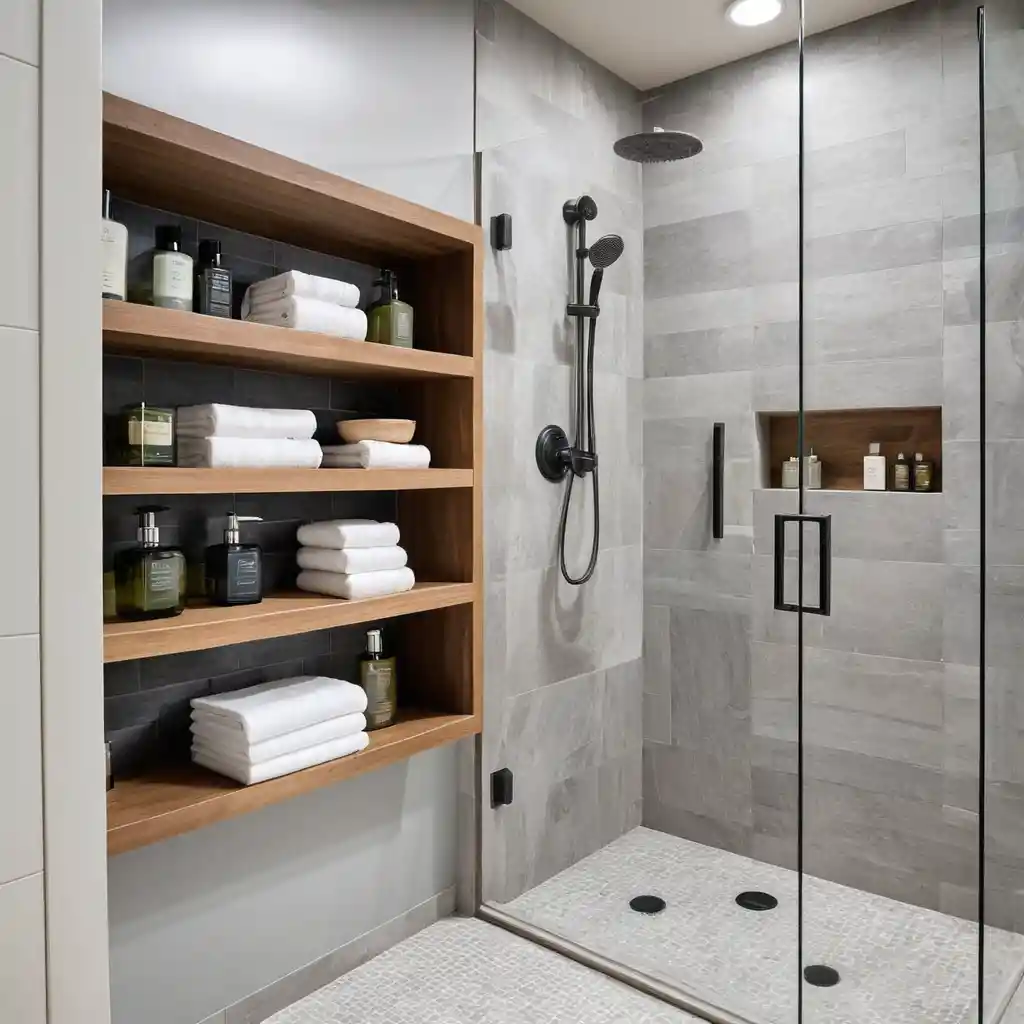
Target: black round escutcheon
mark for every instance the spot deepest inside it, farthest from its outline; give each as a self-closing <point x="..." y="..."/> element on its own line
<point x="757" y="901"/>
<point x="647" y="904"/>
<point x="820" y="975"/>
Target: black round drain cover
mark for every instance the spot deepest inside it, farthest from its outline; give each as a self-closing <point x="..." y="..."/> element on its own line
<point x="757" y="901"/>
<point x="820" y="975"/>
<point x="647" y="904"/>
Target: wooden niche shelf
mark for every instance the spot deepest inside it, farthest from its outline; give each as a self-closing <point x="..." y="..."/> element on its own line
<point x="170" y="164"/>
<point x="841" y="439"/>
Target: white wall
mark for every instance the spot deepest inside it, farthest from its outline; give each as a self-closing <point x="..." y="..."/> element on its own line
<point x="22" y="929"/>
<point x="380" y="91"/>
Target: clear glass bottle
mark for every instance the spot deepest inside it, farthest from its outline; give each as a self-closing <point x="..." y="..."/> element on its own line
<point x="149" y="580"/>
<point x="389" y="320"/>
<point x="234" y="571"/>
<point x="114" y="247"/>
<point x="378" y="677"/>
<point x="213" y="282"/>
<point x="172" y="270"/>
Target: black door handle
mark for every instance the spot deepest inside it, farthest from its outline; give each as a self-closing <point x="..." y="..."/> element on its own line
<point x="718" y="482"/>
<point x="824" y="524"/>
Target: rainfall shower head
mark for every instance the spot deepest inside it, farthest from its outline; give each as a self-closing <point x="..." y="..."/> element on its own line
<point x="658" y="146"/>
<point x="605" y="251"/>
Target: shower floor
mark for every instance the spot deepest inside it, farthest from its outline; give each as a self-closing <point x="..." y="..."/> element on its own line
<point x="462" y="971"/>
<point x="898" y="964"/>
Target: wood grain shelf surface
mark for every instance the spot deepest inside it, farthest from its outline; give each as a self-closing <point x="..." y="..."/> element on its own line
<point x="183" y="798"/>
<point x="177" y="480"/>
<point x="202" y="627"/>
<point x="133" y="329"/>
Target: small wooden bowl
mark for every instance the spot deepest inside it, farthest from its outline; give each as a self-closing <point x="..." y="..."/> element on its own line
<point x="395" y="431"/>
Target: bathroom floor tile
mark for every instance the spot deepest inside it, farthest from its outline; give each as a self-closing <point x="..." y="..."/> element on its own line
<point x="898" y="964"/>
<point x="463" y="971"/>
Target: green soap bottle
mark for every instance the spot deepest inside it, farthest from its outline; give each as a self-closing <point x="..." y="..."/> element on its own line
<point x="379" y="678"/>
<point x="389" y="319"/>
<point x="149" y="580"/>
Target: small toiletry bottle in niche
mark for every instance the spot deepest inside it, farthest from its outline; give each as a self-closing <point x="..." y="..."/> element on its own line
<point x="378" y="677"/>
<point x="924" y="471"/>
<point x="234" y="571"/>
<point x="874" y="469"/>
<point x="213" y="282"/>
<point x="812" y="472"/>
<point x="145" y="436"/>
<point x="149" y="579"/>
<point x="901" y="474"/>
<point x="114" y="245"/>
<point x="172" y="270"/>
<point x="389" y="320"/>
<point x="791" y="473"/>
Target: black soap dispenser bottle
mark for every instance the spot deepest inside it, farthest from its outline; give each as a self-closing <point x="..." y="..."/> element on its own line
<point x="149" y="580"/>
<point x="234" y="571"/>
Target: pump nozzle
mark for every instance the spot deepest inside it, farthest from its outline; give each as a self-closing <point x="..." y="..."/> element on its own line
<point x="233" y="534"/>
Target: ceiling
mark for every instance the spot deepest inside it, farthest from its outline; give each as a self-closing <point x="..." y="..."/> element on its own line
<point x="651" y="42"/>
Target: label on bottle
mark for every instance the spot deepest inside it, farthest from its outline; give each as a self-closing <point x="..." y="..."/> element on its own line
<point x="379" y="684"/>
<point x="244" y="567"/>
<point x="215" y="292"/>
<point x="403" y="326"/>
<point x="901" y="476"/>
<point x="150" y="432"/>
<point x="172" y="276"/>
<point x="163" y="583"/>
<point x="114" y="255"/>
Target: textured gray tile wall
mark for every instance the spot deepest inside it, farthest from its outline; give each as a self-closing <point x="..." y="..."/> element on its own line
<point x="892" y="288"/>
<point x="563" y="685"/>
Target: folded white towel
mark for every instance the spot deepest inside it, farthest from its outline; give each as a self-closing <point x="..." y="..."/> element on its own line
<point x="272" y="709"/>
<point x="309" y="286"/>
<point x="240" y="421"/>
<point x="219" y="740"/>
<point x="249" y="774"/>
<point x="376" y="455"/>
<point x="352" y="560"/>
<point x="312" y="315"/>
<point x="237" y="452"/>
<point x="348" y="533"/>
<point x="356" y="586"/>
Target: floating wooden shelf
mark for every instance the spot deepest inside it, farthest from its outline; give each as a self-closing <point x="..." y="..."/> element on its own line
<point x="169" y="802"/>
<point x="174" y="480"/>
<point x="203" y="627"/>
<point x="132" y="329"/>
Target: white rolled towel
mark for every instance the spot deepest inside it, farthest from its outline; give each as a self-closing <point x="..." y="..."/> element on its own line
<point x="312" y="315"/>
<point x="308" y="286"/>
<point x="348" y="533"/>
<point x="239" y="421"/>
<point x="376" y="455"/>
<point x="241" y="452"/>
<point x="352" y="560"/>
<point x="272" y="709"/>
<point x="211" y="736"/>
<point x="356" y="586"/>
<point x="250" y="774"/>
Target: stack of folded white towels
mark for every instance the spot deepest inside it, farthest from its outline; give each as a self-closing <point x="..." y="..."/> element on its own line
<point x="376" y="455"/>
<point x="233" y="436"/>
<point x="307" y="303"/>
<point x="353" y="559"/>
<point x="277" y="728"/>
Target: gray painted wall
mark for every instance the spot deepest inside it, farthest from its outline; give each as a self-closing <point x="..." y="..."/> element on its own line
<point x="290" y="884"/>
<point x="563" y="690"/>
<point x="892" y="293"/>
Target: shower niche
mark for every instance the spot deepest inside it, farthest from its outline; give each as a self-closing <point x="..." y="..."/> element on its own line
<point x="841" y="438"/>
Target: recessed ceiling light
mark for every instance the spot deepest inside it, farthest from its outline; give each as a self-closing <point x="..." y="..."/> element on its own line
<point x="749" y="13"/>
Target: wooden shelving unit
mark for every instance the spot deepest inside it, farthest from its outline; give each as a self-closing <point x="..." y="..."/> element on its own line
<point x="185" y="797"/>
<point x="172" y="480"/>
<point x="164" y="162"/>
<point x="203" y="627"/>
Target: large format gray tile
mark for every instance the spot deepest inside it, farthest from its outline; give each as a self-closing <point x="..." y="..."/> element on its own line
<point x="23" y="950"/>
<point x="19" y="30"/>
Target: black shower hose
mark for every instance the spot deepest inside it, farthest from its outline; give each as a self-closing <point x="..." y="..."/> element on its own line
<point x="592" y="448"/>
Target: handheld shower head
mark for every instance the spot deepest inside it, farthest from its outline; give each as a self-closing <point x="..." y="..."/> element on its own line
<point x="576" y="210"/>
<point x="603" y="253"/>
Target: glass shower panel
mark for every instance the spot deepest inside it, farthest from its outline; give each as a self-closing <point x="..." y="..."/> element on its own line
<point x="890" y="726"/>
<point x="994" y="298"/>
